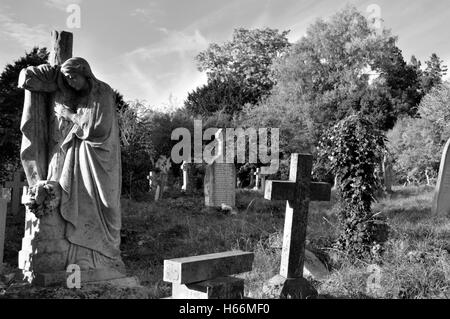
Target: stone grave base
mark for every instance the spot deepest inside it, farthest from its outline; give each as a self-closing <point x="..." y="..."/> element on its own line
<point x="279" y="287"/>
<point x="95" y="276"/>
<point x="218" y="288"/>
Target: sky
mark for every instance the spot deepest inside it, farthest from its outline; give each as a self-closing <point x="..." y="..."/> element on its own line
<point x="146" y="48"/>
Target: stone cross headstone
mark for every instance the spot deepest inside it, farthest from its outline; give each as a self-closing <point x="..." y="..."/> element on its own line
<point x="154" y="183"/>
<point x="188" y="179"/>
<point x="441" y="200"/>
<point x="16" y="187"/>
<point x="220" y="184"/>
<point x="3" y="211"/>
<point x="387" y="173"/>
<point x="258" y="177"/>
<point x="184" y="168"/>
<point x="298" y="191"/>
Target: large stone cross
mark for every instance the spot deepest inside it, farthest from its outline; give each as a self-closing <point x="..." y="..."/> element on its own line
<point x="16" y="186"/>
<point x="298" y="191"/>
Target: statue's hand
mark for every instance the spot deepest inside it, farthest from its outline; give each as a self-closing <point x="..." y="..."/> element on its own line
<point x="62" y="111"/>
<point x="54" y="194"/>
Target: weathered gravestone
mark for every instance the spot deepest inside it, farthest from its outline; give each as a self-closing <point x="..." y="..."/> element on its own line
<point x="207" y="276"/>
<point x="260" y="183"/>
<point x="387" y="173"/>
<point x="298" y="191"/>
<point x="441" y="200"/>
<point x="16" y="187"/>
<point x="188" y="180"/>
<point x="73" y="210"/>
<point x="154" y="184"/>
<point x="220" y="184"/>
<point x="257" y="179"/>
<point x="252" y="179"/>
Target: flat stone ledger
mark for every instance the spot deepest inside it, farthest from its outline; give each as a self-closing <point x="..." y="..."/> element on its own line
<point x="279" y="287"/>
<point x="220" y="184"/>
<point x="205" y="267"/>
<point x="218" y="288"/>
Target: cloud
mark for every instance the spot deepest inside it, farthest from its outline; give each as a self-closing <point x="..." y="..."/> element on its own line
<point x="158" y="71"/>
<point x="149" y="13"/>
<point x="61" y="4"/>
<point x="175" y="42"/>
<point x="26" y="35"/>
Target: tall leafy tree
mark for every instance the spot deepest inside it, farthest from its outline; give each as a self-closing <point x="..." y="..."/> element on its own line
<point x="11" y="104"/>
<point x="245" y="60"/>
<point x="226" y="96"/>
<point x="434" y="72"/>
<point x="341" y="66"/>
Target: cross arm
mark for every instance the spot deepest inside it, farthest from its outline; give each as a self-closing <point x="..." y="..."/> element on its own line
<point x="279" y="190"/>
<point x="285" y="190"/>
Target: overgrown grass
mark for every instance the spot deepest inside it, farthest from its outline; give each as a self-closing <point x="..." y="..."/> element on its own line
<point x="415" y="263"/>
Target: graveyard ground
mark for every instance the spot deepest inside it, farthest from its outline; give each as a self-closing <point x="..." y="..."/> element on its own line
<point x="416" y="263"/>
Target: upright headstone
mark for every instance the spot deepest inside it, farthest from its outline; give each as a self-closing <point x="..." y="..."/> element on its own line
<point x="441" y="200"/>
<point x="188" y="180"/>
<point x="298" y="191"/>
<point x="220" y="184"/>
<point x="16" y="187"/>
<point x="263" y="182"/>
<point x="257" y="179"/>
<point x="387" y="174"/>
<point x="252" y="178"/>
<point x="3" y="211"/>
<point x="154" y="184"/>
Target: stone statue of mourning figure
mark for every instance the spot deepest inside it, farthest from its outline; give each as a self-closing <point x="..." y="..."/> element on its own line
<point x="71" y="156"/>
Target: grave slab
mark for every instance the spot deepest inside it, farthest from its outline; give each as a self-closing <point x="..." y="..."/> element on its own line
<point x="205" y="267"/>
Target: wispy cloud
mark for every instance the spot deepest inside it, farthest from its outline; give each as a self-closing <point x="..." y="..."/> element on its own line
<point x="150" y="13"/>
<point x="61" y="4"/>
<point x="165" y="68"/>
<point x="24" y="34"/>
<point x="175" y="42"/>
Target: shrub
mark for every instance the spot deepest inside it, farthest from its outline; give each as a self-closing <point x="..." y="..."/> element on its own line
<point x="352" y="150"/>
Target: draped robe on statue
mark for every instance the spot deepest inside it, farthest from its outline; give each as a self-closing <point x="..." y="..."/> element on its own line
<point x="84" y="158"/>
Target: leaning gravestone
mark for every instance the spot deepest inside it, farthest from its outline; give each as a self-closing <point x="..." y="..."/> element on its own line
<point x="73" y="208"/>
<point x="441" y="200"/>
<point x="298" y="191"/>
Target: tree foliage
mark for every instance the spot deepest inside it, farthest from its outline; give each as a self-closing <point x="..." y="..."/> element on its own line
<point x="11" y="105"/>
<point x="417" y="143"/>
<point x="434" y="72"/>
<point x="242" y="64"/>
<point x="342" y="66"/>
<point x="145" y="137"/>
<point x="226" y="96"/>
